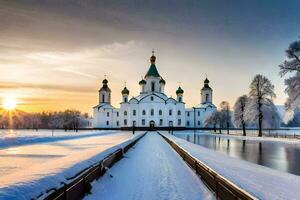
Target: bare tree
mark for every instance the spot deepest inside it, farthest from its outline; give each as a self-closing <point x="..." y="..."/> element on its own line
<point x="292" y="65"/>
<point x="225" y="114"/>
<point x="239" y="113"/>
<point x="261" y="93"/>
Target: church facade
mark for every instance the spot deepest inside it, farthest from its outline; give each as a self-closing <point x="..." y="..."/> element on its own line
<point x="152" y="107"/>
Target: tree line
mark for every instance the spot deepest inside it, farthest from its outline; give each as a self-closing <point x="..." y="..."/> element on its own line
<point x="68" y="119"/>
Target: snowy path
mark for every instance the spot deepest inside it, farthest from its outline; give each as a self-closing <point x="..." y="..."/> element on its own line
<point x="152" y="170"/>
<point x="30" y="161"/>
<point x="260" y="181"/>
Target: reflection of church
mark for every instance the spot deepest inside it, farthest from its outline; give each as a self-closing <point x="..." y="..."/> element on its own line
<point x="152" y="107"/>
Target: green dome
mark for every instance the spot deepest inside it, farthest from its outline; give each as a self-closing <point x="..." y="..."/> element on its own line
<point x="162" y="81"/>
<point x="142" y="82"/>
<point x="125" y="91"/>
<point x="105" y="81"/>
<point x="152" y="71"/>
<point x="206" y="81"/>
<point x="179" y="90"/>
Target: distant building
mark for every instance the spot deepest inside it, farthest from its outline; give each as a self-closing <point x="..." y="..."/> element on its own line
<point x="152" y="107"/>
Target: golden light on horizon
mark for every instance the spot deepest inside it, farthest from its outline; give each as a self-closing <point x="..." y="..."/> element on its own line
<point x="9" y="103"/>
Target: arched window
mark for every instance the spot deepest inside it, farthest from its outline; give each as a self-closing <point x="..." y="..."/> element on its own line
<point x="199" y="123"/>
<point x="152" y="112"/>
<point x="125" y="99"/>
<point x="125" y="113"/>
<point x="178" y="112"/>
<point x="170" y="112"/>
<point x="143" y="112"/>
<point x="143" y="122"/>
<point x="125" y="122"/>
<point x="198" y="113"/>
<point x="188" y="114"/>
<point x="180" y="99"/>
<point x="160" y="112"/>
<point x="206" y="97"/>
<point x="152" y="98"/>
<point x="152" y="86"/>
<point x="160" y="122"/>
<point x="188" y="123"/>
<point x="103" y="98"/>
<point x="107" y="114"/>
<point x="117" y="123"/>
<point x="134" y="113"/>
<point x="117" y="114"/>
<point x="107" y="123"/>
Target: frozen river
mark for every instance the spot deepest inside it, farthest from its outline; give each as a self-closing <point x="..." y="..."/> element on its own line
<point x="61" y="151"/>
<point x="281" y="156"/>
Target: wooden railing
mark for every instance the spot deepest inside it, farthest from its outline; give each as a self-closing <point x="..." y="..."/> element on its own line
<point x="80" y="185"/>
<point x="222" y="187"/>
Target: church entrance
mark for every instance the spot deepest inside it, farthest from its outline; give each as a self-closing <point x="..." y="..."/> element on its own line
<point x="152" y="124"/>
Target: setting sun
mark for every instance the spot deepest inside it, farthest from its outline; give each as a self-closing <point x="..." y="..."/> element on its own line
<point x="9" y="103"/>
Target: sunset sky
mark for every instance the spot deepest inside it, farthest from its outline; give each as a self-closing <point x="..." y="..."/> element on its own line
<point x="54" y="53"/>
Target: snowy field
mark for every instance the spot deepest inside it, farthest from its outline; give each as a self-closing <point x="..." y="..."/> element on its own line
<point x="260" y="181"/>
<point x="10" y="138"/>
<point x="27" y="170"/>
<point x="152" y="170"/>
<point x="284" y="132"/>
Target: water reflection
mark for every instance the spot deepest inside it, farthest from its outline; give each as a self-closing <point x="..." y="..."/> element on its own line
<point x="283" y="157"/>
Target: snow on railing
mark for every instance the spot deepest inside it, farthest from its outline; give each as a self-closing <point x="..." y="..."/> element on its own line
<point x="222" y="187"/>
<point x="79" y="185"/>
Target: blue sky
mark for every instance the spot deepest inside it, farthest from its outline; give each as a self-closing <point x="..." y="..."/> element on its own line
<point x="54" y="54"/>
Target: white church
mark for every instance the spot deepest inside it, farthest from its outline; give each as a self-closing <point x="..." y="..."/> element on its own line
<point x="152" y="107"/>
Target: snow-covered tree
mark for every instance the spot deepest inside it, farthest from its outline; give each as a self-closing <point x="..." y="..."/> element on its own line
<point x="225" y="114"/>
<point x="239" y="113"/>
<point x="213" y="120"/>
<point x="261" y="93"/>
<point x="292" y="65"/>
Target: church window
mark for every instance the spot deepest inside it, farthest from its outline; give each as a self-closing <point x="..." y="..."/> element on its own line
<point x="160" y="122"/>
<point x="152" y="112"/>
<point x="188" y="114"/>
<point x="107" y="123"/>
<point x="143" y="122"/>
<point x="152" y="98"/>
<point x="188" y="123"/>
<point x="107" y="114"/>
<point x="180" y="99"/>
<point x="117" y="114"/>
<point x="125" y="99"/>
<point x="125" y="122"/>
<point x="160" y="112"/>
<point x="170" y="123"/>
<point x="198" y="113"/>
<point x="178" y="112"/>
<point x="206" y="97"/>
<point x="170" y="112"/>
<point x="179" y="122"/>
<point x="152" y="86"/>
<point x="125" y="113"/>
<point x="117" y="123"/>
<point x="103" y="98"/>
<point x="143" y="112"/>
<point x="133" y="123"/>
<point x="199" y="123"/>
<point x="134" y="113"/>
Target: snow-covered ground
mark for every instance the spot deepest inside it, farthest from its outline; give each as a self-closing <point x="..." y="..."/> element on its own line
<point x="28" y="170"/>
<point x="152" y="170"/>
<point x="288" y="132"/>
<point x="9" y="138"/>
<point x="260" y="181"/>
<point x="239" y="137"/>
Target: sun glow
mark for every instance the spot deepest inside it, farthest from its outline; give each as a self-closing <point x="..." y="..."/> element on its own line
<point x="9" y="103"/>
